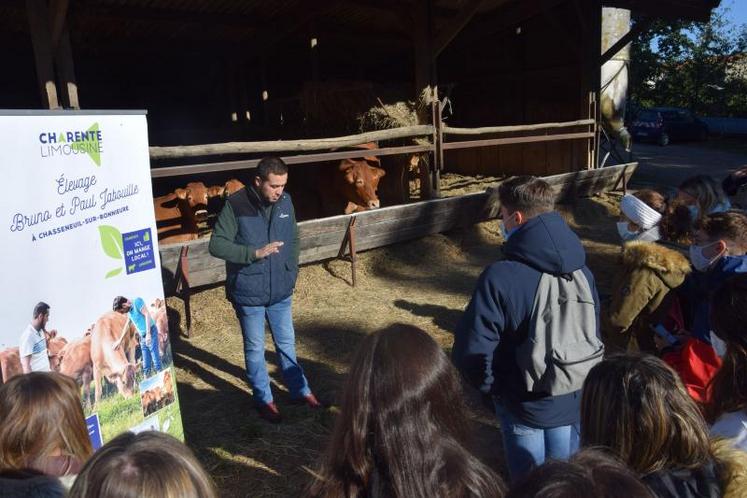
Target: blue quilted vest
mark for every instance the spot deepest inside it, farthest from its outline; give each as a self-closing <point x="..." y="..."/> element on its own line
<point x="271" y="279"/>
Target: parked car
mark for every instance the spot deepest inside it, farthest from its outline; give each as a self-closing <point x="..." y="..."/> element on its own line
<point x="665" y="124"/>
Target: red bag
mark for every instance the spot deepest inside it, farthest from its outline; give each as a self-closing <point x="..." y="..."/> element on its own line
<point x="696" y="362"/>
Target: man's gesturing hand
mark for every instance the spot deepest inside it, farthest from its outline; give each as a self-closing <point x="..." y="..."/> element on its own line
<point x="271" y="248"/>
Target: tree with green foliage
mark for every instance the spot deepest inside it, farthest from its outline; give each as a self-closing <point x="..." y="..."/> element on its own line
<point x="699" y="66"/>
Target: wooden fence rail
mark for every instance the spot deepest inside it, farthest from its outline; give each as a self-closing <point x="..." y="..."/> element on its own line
<point x="450" y="130"/>
<point x="307" y="145"/>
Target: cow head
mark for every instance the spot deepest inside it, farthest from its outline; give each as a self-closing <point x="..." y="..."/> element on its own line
<point x="360" y="180"/>
<point x="215" y="191"/>
<point x="126" y="380"/>
<point x="195" y="194"/>
<point x="55" y="347"/>
<point x="231" y="186"/>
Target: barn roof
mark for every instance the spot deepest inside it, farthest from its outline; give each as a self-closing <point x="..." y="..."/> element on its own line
<point x="252" y="25"/>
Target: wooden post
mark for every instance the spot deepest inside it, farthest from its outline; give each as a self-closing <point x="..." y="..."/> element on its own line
<point x="438" y="152"/>
<point x="425" y="76"/>
<point x="348" y="242"/>
<point x="63" y="53"/>
<point x="596" y="46"/>
<point x="182" y="288"/>
<point x="38" y="15"/>
<point x="351" y="240"/>
<point x="66" y="70"/>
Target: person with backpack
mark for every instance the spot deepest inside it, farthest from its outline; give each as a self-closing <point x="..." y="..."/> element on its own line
<point x="530" y="333"/>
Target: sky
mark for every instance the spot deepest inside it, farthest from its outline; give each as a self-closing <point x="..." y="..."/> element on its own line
<point x="737" y="11"/>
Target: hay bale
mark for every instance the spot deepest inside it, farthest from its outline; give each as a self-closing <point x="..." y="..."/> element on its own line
<point x="398" y="114"/>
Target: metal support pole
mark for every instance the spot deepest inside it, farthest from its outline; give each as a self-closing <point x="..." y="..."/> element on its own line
<point x="182" y="288"/>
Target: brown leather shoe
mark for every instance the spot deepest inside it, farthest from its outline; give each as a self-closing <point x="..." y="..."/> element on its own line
<point x="269" y="411"/>
<point x="310" y="401"/>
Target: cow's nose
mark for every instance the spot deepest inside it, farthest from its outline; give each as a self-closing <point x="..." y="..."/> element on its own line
<point x="373" y="204"/>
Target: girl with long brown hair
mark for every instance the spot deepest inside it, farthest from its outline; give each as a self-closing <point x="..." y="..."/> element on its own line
<point x="637" y="406"/>
<point x="402" y="427"/>
<point x="42" y="426"/>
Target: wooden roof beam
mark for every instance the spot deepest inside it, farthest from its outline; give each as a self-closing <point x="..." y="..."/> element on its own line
<point x="166" y="16"/>
<point x="58" y="17"/>
<point x="695" y="10"/>
<point x="456" y="25"/>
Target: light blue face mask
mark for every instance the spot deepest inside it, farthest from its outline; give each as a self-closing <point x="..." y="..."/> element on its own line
<point x="625" y="234"/>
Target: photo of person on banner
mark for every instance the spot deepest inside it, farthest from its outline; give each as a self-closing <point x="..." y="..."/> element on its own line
<point x="33" y="343"/>
<point x="140" y="316"/>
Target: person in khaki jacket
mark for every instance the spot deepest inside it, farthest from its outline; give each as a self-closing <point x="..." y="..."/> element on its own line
<point x="641" y="291"/>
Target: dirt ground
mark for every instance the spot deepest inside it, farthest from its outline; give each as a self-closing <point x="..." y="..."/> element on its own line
<point x="426" y="282"/>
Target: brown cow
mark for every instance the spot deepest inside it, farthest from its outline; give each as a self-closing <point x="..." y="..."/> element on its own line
<point x="176" y="213"/>
<point x="10" y="358"/>
<point x="228" y="188"/>
<point x="113" y="339"/>
<point x="54" y="346"/>
<point x="353" y="186"/>
<point x="168" y="389"/>
<point x="160" y="317"/>
<point x="10" y="364"/>
<point x="75" y="362"/>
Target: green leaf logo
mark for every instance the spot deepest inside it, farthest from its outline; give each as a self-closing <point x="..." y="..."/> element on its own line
<point x="113" y="273"/>
<point x="93" y="149"/>
<point x="111" y="243"/>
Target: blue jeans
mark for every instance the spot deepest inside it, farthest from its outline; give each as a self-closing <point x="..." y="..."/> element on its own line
<point x="150" y="353"/>
<point x="252" y="320"/>
<point x="528" y="447"/>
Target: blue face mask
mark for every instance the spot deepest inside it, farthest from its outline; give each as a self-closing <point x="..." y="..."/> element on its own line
<point x="625" y="234"/>
<point x="507" y="233"/>
<point x="694" y="211"/>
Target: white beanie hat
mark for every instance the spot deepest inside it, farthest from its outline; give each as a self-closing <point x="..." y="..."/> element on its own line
<point x="639" y="212"/>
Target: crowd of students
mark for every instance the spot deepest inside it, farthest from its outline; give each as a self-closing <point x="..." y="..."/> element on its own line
<point x="657" y="411"/>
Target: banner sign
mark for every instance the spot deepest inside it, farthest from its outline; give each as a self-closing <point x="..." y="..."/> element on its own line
<point x="79" y="235"/>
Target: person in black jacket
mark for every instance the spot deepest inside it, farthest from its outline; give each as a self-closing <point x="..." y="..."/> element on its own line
<point x="257" y="236"/>
<point x="536" y="424"/>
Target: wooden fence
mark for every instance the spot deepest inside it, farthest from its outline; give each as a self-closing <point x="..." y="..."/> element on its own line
<point x="326" y="238"/>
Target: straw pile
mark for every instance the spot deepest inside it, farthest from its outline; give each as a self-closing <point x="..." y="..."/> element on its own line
<point x="399" y="114"/>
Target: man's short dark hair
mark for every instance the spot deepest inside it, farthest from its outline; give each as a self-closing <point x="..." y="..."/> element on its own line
<point x="271" y="164"/>
<point x="41" y="308"/>
<point x="729" y="225"/>
<point x="528" y="194"/>
<point x="119" y="301"/>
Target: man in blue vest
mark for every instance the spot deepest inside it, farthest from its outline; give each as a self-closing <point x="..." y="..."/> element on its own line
<point x="257" y="236"/>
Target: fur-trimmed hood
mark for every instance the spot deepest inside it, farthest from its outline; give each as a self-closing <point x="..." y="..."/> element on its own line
<point x="670" y="265"/>
<point x="734" y="463"/>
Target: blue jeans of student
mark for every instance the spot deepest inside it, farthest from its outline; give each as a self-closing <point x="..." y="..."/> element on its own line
<point x="528" y="447"/>
<point x="151" y="358"/>
<point x="278" y="316"/>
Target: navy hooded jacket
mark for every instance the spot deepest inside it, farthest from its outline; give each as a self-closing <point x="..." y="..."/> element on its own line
<point x="697" y="288"/>
<point x="498" y="316"/>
